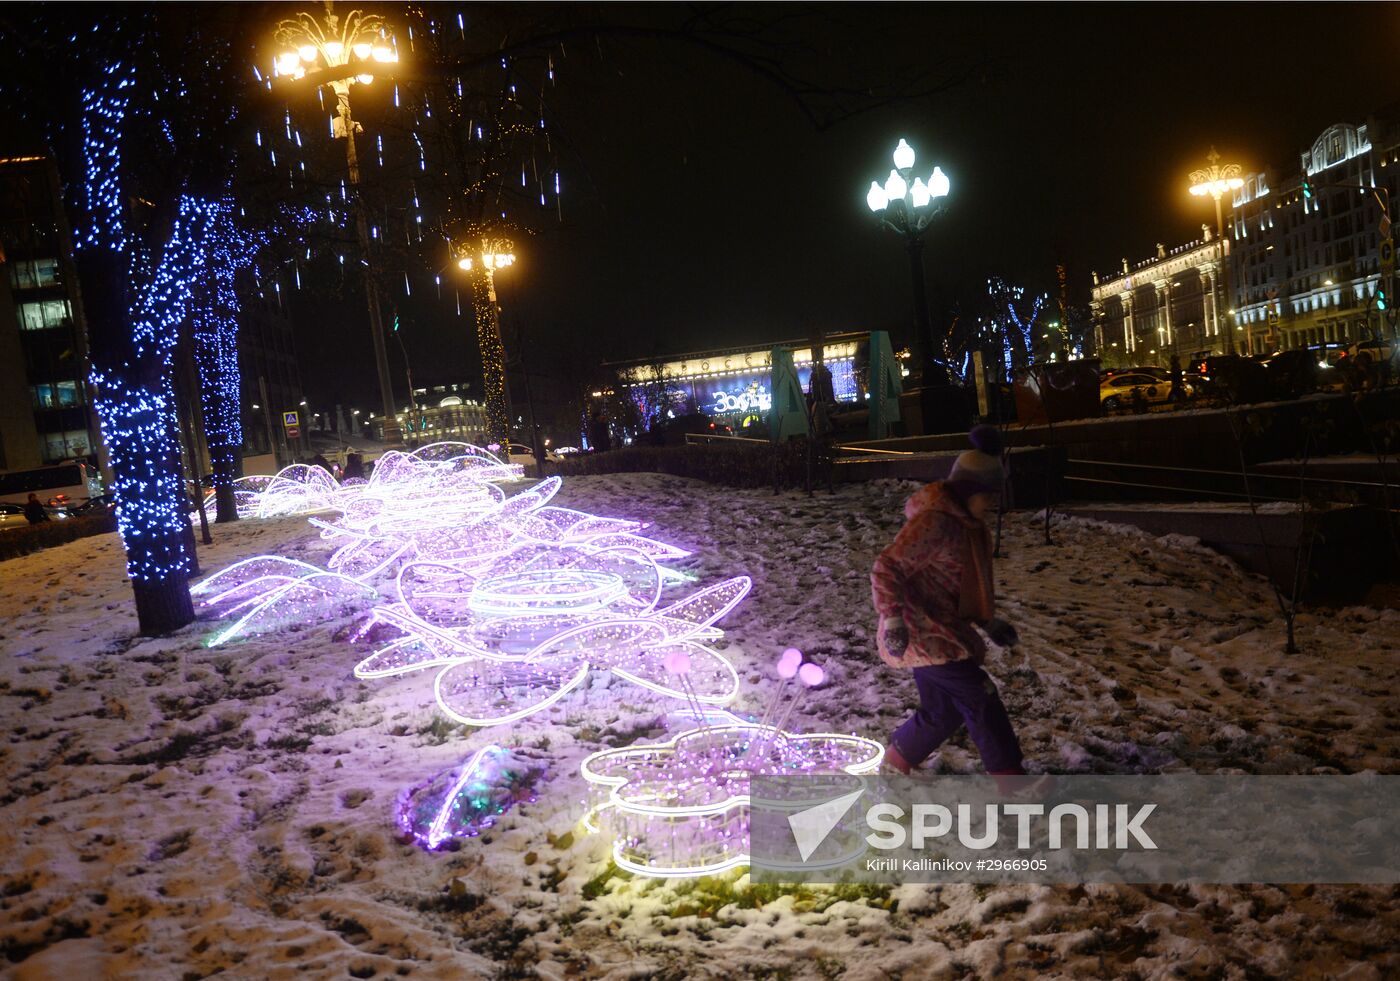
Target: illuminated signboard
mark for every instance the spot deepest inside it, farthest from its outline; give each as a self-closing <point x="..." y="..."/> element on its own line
<point x="748" y="392"/>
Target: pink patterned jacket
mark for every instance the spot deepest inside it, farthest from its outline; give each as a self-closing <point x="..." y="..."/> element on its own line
<point x="937" y="575"/>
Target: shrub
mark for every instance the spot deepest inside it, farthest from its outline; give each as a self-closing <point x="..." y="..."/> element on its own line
<point x="54" y="532"/>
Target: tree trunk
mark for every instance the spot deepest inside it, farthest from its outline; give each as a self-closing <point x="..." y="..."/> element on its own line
<point x="225" y="463"/>
<point x="151" y="512"/>
<point x="163" y="605"/>
<point x="225" y="505"/>
<point x="216" y="356"/>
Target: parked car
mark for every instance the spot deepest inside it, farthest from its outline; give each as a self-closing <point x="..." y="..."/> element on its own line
<point x="1293" y="374"/>
<point x="12" y="516"/>
<point x="94" y="505"/>
<point x="520" y="453"/>
<point x="1119" y="391"/>
<point x="1232" y="379"/>
<point x="1162" y="373"/>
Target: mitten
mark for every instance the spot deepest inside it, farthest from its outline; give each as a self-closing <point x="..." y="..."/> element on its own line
<point x="895" y="635"/>
<point x="1001" y="633"/>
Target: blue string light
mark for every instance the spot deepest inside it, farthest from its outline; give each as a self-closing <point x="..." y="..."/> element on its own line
<point x="137" y="414"/>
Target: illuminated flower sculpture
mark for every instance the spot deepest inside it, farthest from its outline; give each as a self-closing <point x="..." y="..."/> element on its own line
<point x="681" y="807"/>
<point x="511" y="599"/>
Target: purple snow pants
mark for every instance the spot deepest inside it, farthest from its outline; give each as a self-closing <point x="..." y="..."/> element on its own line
<point x="952" y="694"/>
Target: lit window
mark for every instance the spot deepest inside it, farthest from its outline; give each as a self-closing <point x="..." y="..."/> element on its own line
<point x="43" y="314"/>
<point x="34" y="273"/>
<point x="58" y="396"/>
<point x="61" y="446"/>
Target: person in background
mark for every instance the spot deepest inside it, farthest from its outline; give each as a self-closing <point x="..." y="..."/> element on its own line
<point x="1177" y="392"/>
<point x="354" y="467"/>
<point x="932" y="589"/>
<point x="599" y="440"/>
<point x="34" y="510"/>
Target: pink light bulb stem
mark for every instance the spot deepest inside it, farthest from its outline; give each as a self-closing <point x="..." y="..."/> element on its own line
<point x="811" y="675"/>
<point x="792" y="704"/>
<point x="773" y="702"/>
<point x="695" y="700"/>
<point x="771" y="729"/>
<point x="790" y="665"/>
<point x="692" y="700"/>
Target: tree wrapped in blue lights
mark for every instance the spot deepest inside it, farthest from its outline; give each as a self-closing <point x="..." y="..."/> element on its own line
<point x="1012" y="325"/>
<point x="215" y="335"/>
<point x="135" y="403"/>
<point x="136" y="109"/>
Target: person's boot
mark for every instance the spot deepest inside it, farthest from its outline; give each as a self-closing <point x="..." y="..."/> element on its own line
<point x="894" y="760"/>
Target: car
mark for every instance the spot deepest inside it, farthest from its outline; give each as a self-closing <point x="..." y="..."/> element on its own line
<point x="1233" y="379"/>
<point x="1375" y="357"/>
<point x="1382" y="350"/>
<point x="94" y="505"/>
<point x="522" y="454"/>
<point x="1162" y="373"/>
<point x="12" y="516"/>
<point x="1293" y="374"/>
<point x="1121" y="390"/>
<point x="673" y="431"/>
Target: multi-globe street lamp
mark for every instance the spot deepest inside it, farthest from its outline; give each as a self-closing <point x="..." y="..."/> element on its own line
<point x="340" y="53"/>
<point x="905" y="204"/>
<point x="1217" y="181"/>
<point x="481" y="253"/>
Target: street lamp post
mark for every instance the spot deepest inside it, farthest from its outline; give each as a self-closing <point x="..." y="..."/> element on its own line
<point x="415" y="418"/>
<point x="345" y="52"/>
<point x="481" y="253"/>
<point x="905" y="204"/>
<point x="1216" y="180"/>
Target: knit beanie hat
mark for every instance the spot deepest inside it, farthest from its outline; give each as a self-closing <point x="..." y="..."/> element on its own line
<point x="979" y="470"/>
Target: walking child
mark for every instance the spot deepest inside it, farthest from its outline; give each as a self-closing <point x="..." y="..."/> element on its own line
<point x="932" y="588"/>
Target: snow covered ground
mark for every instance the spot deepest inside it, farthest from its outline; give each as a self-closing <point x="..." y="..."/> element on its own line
<point x="175" y="811"/>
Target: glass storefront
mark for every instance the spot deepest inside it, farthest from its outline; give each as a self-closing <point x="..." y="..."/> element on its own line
<point x="735" y="397"/>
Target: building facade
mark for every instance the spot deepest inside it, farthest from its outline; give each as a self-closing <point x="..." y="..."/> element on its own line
<point x="1303" y="245"/>
<point x="440" y="413"/>
<point x="46" y="413"/>
<point x="1170" y="304"/>
<point x="271" y="382"/>
<point x="1305" y="241"/>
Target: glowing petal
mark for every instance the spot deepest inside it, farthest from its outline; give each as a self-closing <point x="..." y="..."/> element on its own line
<point x="488" y="693"/>
<point x="708" y="605"/>
<point x="710" y="677"/>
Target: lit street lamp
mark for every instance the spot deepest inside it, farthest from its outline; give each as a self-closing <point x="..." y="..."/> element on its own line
<point x="1217" y="181"/>
<point x="906" y="205"/>
<point x="481" y="253"/>
<point x="344" y="52"/>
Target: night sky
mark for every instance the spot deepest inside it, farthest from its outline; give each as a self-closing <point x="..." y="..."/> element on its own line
<point x="702" y="210"/>
<point x="717" y="215"/>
